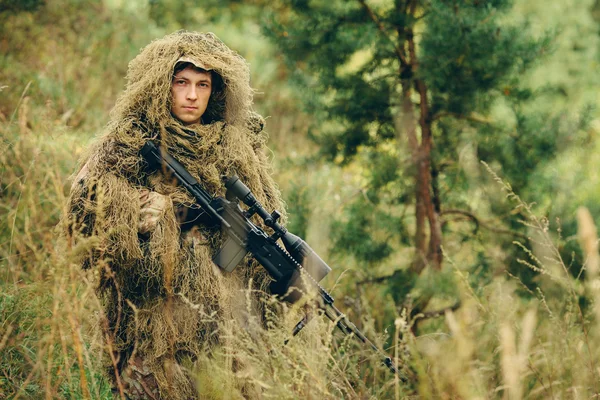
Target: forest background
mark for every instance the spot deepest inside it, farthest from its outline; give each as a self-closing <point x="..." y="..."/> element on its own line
<point x="439" y="154"/>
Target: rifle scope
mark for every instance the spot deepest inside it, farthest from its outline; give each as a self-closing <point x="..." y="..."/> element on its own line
<point x="296" y="246"/>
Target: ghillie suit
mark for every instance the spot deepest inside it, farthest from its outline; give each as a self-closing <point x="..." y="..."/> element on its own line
<point x="164" y="298"/>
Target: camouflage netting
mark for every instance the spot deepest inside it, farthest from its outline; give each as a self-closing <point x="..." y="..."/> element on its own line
<point x="163" y="296"/>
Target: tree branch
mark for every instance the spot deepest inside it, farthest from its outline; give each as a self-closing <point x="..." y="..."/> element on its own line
<point x="381" y="28"/>
<point x="379" y="279"/>
<point x="437" y="313"/>
<point x="483" y="224"/>
<point x="471" y="118"/>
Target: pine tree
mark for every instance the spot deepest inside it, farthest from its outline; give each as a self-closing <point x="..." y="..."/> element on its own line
<point x="403" y="80"/>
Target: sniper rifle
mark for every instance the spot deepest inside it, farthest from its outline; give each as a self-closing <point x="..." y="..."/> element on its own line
<point x="294" y="270"/>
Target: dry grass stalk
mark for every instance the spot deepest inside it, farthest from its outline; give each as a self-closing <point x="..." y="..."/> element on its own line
<point x="23" y="116"/>
<point x="514" y="360"/>
<point x="588" y="239"/>
<point x="6" y="335"/>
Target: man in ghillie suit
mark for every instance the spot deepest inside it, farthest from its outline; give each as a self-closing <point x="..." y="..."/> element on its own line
<point x="164" y="298"/>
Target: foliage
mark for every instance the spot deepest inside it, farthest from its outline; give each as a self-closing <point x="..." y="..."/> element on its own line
<point x="13" y="7"/>
<point x="411" y="85"/>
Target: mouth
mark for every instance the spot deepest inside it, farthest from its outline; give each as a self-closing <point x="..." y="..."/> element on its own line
<point x="190" y="108"/>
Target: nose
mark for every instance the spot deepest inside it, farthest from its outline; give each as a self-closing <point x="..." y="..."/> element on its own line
<point x="191" y="93"/>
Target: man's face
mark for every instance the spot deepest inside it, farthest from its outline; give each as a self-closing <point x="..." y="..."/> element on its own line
<point x="191" y="90"/>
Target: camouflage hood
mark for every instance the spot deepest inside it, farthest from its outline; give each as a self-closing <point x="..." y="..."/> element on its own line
<point x="147" y="95"/>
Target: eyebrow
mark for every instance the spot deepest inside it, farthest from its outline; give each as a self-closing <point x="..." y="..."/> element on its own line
<point x="175" y="77"/>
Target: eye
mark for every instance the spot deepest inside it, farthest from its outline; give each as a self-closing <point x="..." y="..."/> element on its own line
<point x="180" y="82"/>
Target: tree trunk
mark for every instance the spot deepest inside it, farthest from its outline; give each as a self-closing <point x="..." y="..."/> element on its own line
<point x="424" y="199"/>
<point x="409" y="127"/>
<point x="434" y="255"/>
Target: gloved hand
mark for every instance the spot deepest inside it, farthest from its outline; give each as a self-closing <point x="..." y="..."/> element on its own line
<point x="152" y="207"/>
